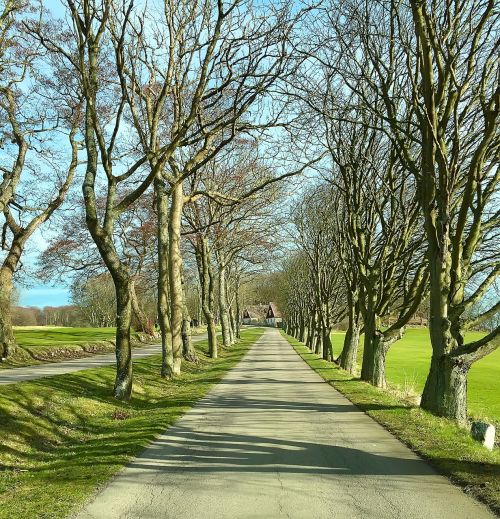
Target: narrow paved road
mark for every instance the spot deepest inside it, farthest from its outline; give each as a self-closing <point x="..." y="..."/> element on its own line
<point x="11" y="376"/>
<point x="274" y="440"/>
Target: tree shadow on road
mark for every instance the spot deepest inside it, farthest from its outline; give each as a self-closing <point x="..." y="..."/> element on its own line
<point x="194" y="451"/>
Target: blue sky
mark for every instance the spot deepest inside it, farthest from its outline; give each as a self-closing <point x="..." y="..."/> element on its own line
<point x="41" y="294"/>
<point x="44" y="295"/>
<point x="31" y="291"/>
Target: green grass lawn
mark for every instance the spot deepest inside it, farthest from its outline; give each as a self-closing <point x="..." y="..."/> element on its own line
<point x="63" y="437"/>
<point x="38" y="344"/>
<point x="450" y="448"/>
<point x="33" y="336"/>
<point x="408" y="364"/>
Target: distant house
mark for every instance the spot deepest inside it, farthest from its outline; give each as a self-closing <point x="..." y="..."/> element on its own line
<point x="264" y="315"/>
<point x="254" y="314"/>
<point x="273" y="316"/>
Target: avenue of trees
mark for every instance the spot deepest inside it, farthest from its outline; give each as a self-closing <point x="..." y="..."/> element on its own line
<point x="404" y="97"/>
<point x="163" y="117"/>
<point x="161" y="143"/>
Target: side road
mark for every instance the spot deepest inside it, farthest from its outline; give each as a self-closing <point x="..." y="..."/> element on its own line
<point x="11" y="376"/>
<point x="272" y="439"/>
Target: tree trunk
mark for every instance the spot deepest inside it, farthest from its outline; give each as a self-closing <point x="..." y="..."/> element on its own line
<point x="9" y="266"/>
<point x="327" y="343"/>
<point x="445" y="391"/>
<point x="302" y="328"/>
<point x="295" y="327"/>
<point x="175" y="276"/>
<point x="317" y="339"/>
<point x="188" y="351"/>
<point x="370" y="326"/>
<point x="373" y="370"/>
<point x="207" y="292"/>
<point x="224" y="315"/>
<point x="212" y="336"/>
<point x="310" y="332"/>
<point x="348" y="357"/>
<point x="143" y="322"/>
<point x="232" y="322"/>
<point x="163" y="307"/>
<point x="376" y="346"/>
<point x="380" y="349"/>
<point x="238" y="309"/>
<point x="200" y="310"/>
<point x="7" y="341"/>
<point x="123" y="381"/>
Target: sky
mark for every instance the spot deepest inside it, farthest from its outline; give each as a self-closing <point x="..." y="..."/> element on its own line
<point x="44" y="295"/>
<point x="31" y="291"/>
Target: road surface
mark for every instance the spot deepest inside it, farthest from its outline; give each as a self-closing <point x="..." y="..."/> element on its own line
<point x="11" y="376"/>
<point x="274" y="440"/>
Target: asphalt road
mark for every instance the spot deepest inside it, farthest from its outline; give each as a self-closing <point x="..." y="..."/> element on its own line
<point x="274" y="440"/>
<point x="11" y="376"/>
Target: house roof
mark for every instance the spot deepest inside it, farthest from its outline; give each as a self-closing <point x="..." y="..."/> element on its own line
<point x="255" y="311"/>
<point x="275" y="310"/>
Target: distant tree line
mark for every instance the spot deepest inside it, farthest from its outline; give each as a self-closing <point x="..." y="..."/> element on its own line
<point x="66" y="315"/>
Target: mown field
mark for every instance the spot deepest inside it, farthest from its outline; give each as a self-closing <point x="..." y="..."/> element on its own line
<point x="408" y="364"/>
<point x="40" y="336"/>
<point x="37" y="344"/>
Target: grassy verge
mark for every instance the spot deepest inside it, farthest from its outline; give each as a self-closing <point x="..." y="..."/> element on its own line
<point x="63" y="437"/>
<point x="449" y="448"/>
<point x="38" y="344"/>
<point x="408" y="363"/>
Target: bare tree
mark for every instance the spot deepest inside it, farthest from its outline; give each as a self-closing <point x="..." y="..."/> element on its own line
<point x="226" y="228"/>
<point x="316" y="227"/>
<point x="435" y="74"/>
<point x="40" y="121"/>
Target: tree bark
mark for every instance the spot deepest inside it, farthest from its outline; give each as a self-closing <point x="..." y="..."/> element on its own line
<point x="348" y="357"/>
<point x="123" y="380"/>
<point x="238" y="309"/>
<point x="175" y="276"/>
<point x="376" y="346"/>
<point x="317" y="339"/>
<point x="379" y="349"/>
<point x="188" y="351"/>
<point x="163" y="306"/>
<point x="232" y="322"/>
<point x="302" y="328"/>
<point x="223" y="311"/>
<point x="310" y="331"/>
<point x="207" y="292"/>
<point x="445" y="391"/>
<point x="327" y="343"/>
<point x="7" y="341"/>
<point x="371" y="326"/>
<point x="144" y="324"/>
